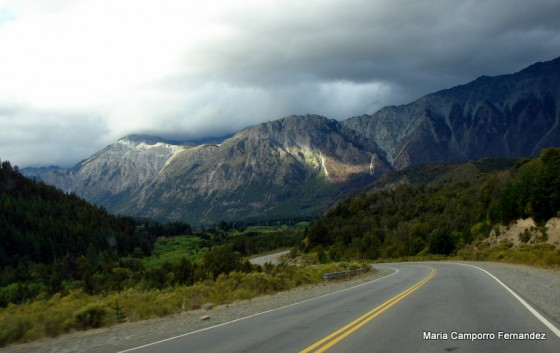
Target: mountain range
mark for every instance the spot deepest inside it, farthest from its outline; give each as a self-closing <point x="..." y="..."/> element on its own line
<point x="295" y="167"/>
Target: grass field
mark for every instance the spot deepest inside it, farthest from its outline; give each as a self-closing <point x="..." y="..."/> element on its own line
<point x="173" y="249"/>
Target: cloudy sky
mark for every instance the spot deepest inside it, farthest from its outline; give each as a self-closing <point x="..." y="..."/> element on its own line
<point x="76" y="75"/>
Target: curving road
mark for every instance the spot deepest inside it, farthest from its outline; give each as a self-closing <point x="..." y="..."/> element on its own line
<point x="422" y="307"/>
<point x="271" y="258"/>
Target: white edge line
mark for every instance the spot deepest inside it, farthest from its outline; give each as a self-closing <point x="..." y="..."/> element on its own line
<point x="257" y="314"/>
<point x="547" y="323"/>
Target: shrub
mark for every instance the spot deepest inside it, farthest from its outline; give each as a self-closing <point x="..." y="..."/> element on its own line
<point x="80" y="311"/>
<point x="92" y="316"/>
<point x="14" y="329"/>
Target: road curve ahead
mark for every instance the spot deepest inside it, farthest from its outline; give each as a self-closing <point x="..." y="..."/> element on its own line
<point x="271" y="258"/>
<point x="420" y="307"/>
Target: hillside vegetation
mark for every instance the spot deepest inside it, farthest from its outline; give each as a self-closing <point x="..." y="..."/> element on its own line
<point x="50" y="238"/>
<point x="440" y="210"/>
<point x="67" y="265"/>
<point x="55" y="243"/>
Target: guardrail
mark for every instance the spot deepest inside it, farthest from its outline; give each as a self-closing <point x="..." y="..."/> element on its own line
<point x="331" y="275"/>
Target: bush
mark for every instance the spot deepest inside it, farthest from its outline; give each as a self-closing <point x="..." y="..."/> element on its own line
<point x="92" y="316"/>
<point x="14" y="330"/>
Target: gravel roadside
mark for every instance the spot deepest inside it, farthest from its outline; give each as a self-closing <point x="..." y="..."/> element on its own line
<point x="537" y="286"/>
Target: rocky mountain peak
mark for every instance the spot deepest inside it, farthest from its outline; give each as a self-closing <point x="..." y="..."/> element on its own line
<point x="138" y="139"/>
<point x="296" y="130"/>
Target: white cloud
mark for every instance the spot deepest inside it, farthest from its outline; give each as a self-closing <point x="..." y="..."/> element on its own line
<point x="101" y="69"/>
<point x="91" y="53"/>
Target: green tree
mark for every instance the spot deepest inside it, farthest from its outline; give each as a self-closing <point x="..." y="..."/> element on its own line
<point x="441" y="242"/>
<point x="223" y="259"/>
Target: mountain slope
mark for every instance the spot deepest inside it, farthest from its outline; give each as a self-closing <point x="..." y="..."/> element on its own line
<point x="297" y="166"/>
<point x="440" y="209"/>
<point x="289" y="168"/>
<point x="42" y="224"/>
<point x="115" y="172"/>
<point x="510" y="115"/>
<point x="292" y="167"/>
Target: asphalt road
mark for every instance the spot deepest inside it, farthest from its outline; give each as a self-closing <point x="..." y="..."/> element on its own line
<point x="427" y="307"/>
<point x="272" y="258"/>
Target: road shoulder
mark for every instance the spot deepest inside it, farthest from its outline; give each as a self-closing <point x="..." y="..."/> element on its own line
<point x="538" y="286"/>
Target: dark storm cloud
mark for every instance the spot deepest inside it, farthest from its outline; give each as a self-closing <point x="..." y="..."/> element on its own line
<point x="413" y="46"/>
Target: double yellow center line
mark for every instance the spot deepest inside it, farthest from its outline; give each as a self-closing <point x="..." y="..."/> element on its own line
<point x="345" y="331"/>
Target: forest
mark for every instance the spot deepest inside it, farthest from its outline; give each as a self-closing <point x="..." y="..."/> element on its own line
<point x="439" y="209"/>
<point x="52" y="242"/>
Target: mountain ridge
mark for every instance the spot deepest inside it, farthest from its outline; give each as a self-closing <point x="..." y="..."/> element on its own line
<point x="300" y="164"/>
<point x="262" y="170"/>
<point x="471" y="121"/>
